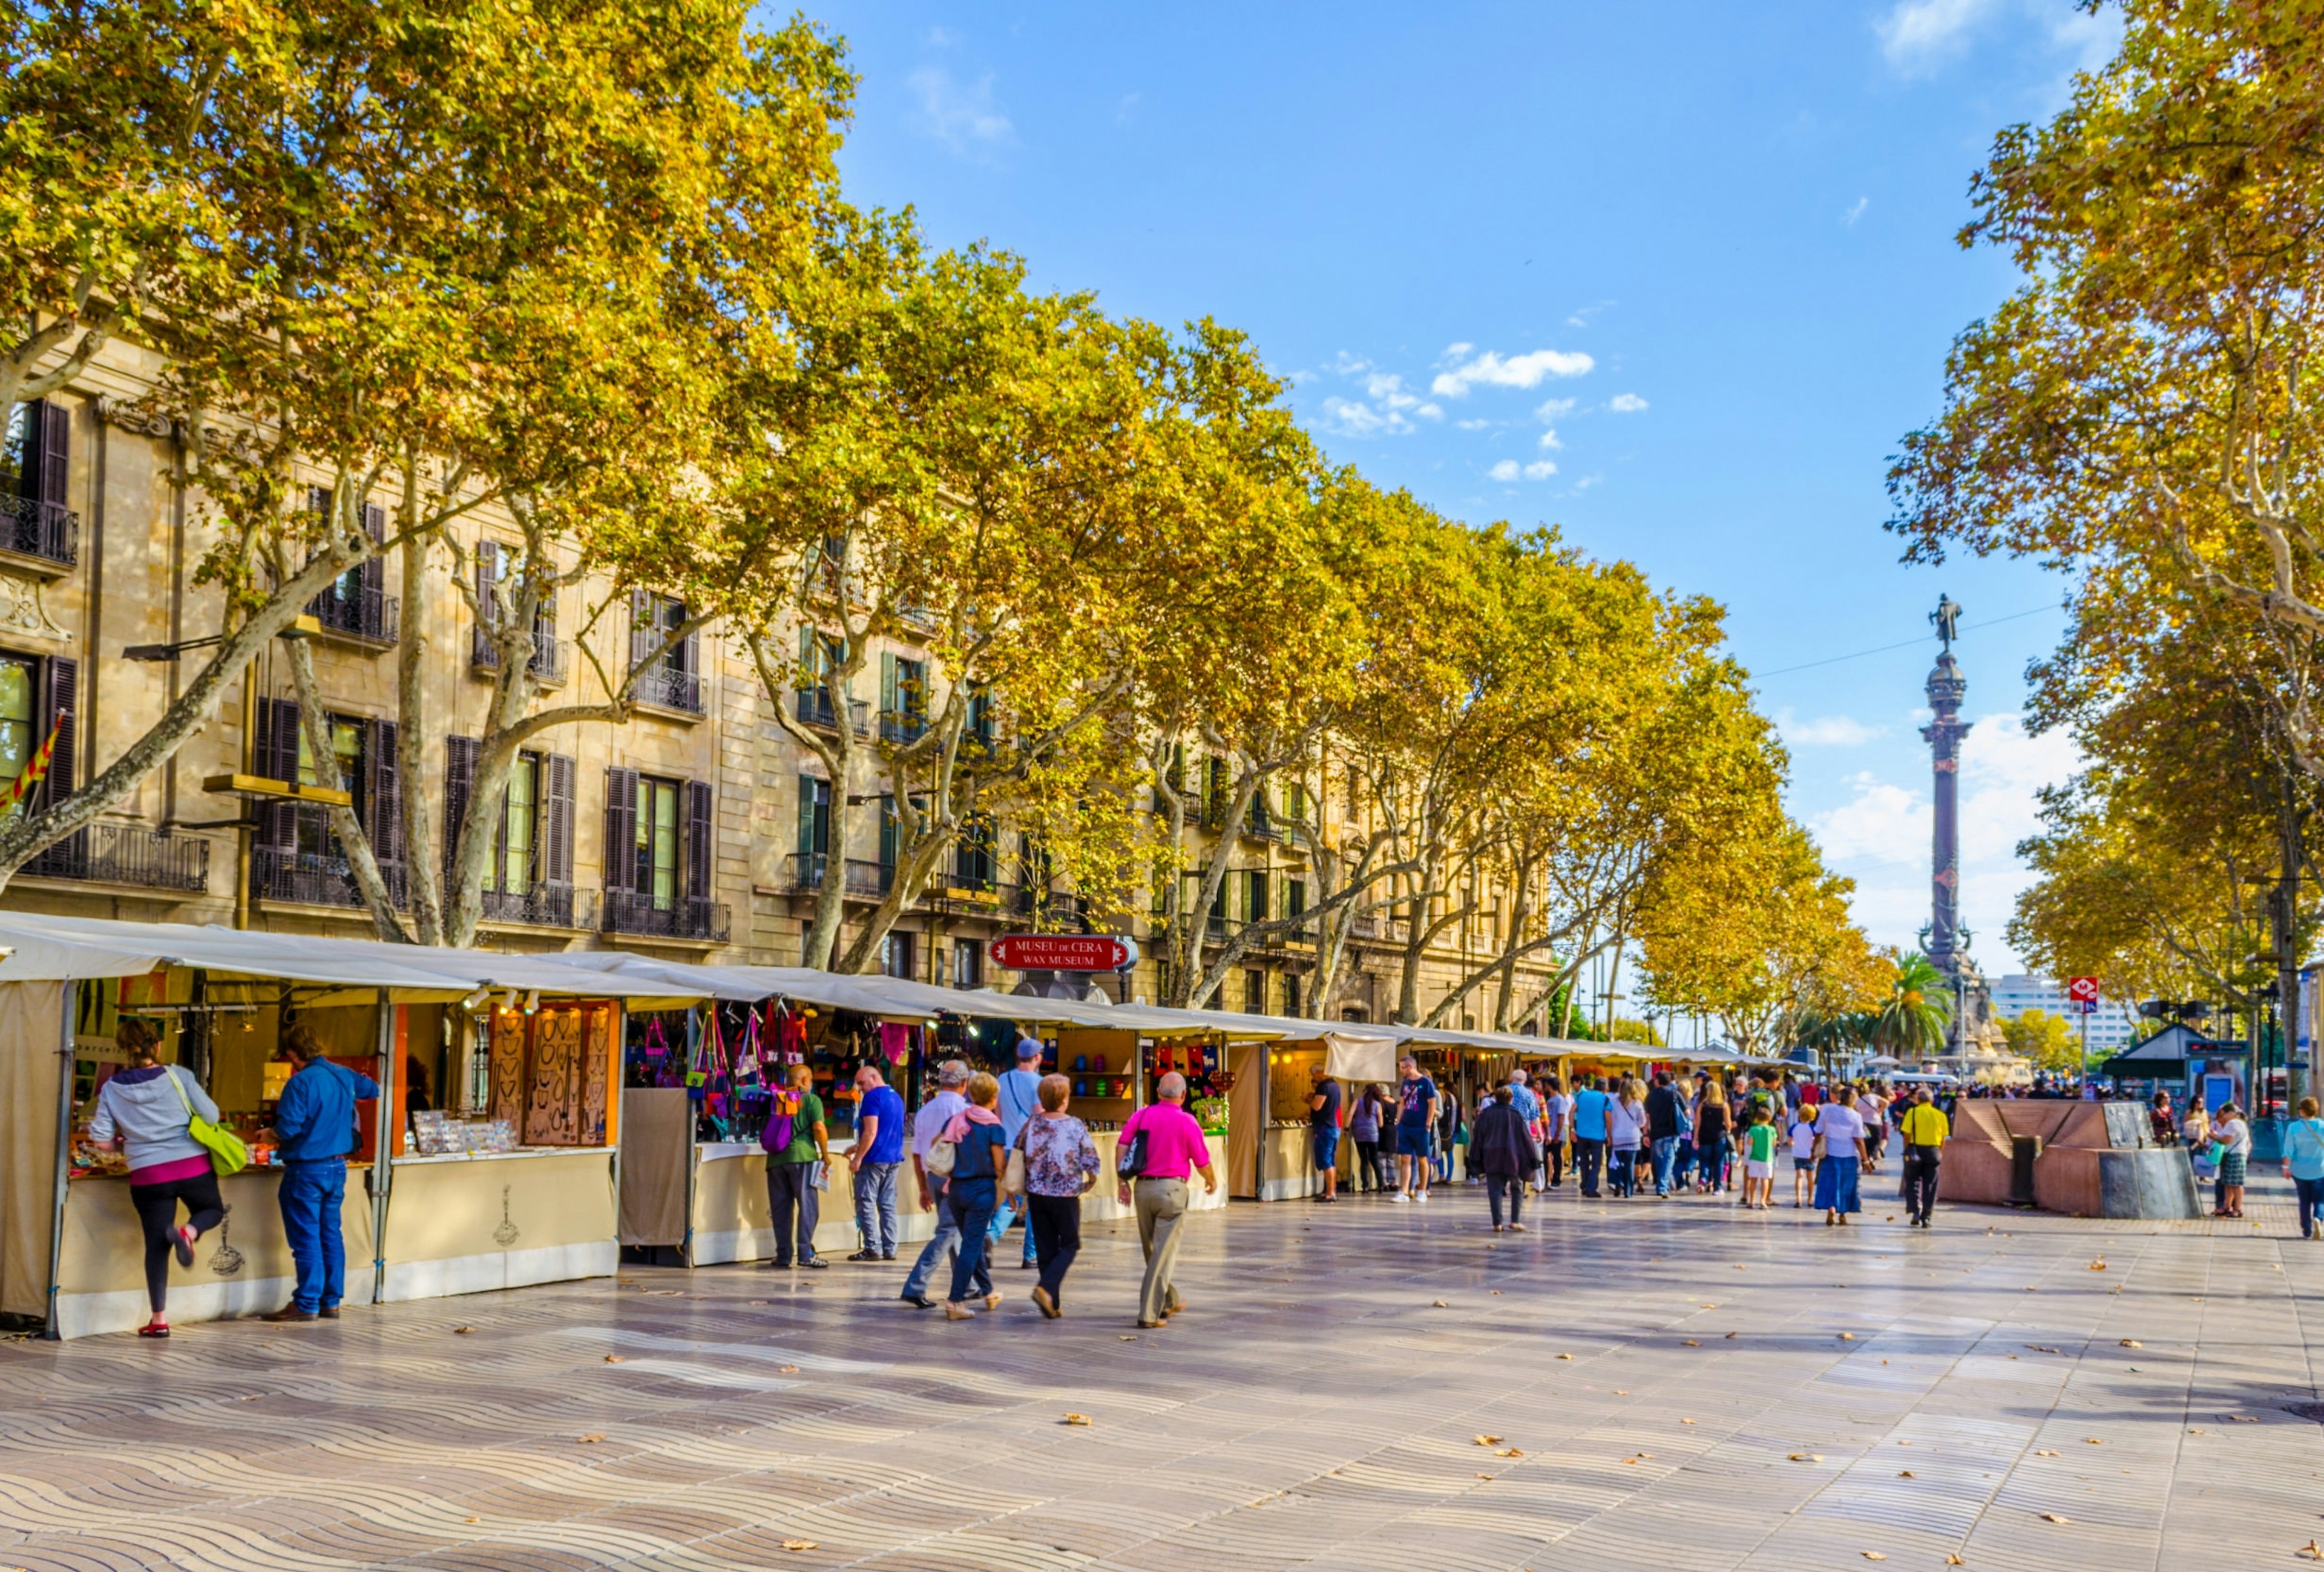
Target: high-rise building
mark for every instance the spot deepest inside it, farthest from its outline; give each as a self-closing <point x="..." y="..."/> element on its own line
<point x="2112" y="1023"/>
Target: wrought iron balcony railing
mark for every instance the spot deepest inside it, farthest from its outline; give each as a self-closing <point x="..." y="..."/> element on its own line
<point x="312" y="879"/>
<point x="127" y="854"/>
<point x="360" y="611"/>
<point x="666" y="688"/>
<point x="544" y="904"/>
<point x="547" y="664"/>
<point x="49" y="531"/>
<point x="647" y="916"/>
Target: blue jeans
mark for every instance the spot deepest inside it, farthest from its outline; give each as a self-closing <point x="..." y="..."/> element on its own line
<point x="1005" y="1214"/>
<point x="2312" y="1205"/>
<point x="1666" y="1159"/>
<point x="1711" y="1160"/>
<point x="1622" y="1170"/>
<point x="875" y="1205"/>
<point x="971" y="1202"/>
<point x="311" y="1197"/>
<point x="947" y="1238"/>
<point x="1589" y="1156"/>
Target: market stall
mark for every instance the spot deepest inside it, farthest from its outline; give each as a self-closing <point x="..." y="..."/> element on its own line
<point x="491" y="1075"/>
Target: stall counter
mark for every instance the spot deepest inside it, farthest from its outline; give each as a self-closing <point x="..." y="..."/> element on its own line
<point x="471" y="1222"/>
<point x="241" y="1267"/>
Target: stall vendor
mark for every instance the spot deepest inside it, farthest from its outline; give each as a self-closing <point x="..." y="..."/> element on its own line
<point x="314" y="1131"/>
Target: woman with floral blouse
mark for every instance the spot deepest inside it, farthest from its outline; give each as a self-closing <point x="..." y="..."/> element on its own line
<point x="1060" y="1166"/>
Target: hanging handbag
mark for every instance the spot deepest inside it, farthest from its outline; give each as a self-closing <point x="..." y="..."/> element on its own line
<point x="1012" y="1176"/>
<point x="1129" y="1162"/>
<point x="941" y="1157"/>
<point x="228" y="1155"/>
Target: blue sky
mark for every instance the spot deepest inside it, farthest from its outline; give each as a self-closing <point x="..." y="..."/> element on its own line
<point x="1674" y="279"/>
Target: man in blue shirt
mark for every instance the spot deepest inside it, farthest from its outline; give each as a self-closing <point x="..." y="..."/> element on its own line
<point x="1021" y="1099"/>
<point x="314" y="1130"/>
<point x="1590" y="1105"/>
<point x="1416" y="1128"/>
<point x="879" y="1154"/>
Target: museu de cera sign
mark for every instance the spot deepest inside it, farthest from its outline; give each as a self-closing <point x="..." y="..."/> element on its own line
<point x="1065" y="952"/>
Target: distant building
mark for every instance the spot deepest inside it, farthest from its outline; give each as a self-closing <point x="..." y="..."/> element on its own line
<point x="2112" y="1024"/>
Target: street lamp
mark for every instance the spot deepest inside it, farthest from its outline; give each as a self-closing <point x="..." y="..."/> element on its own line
<point x="303" y="626"/>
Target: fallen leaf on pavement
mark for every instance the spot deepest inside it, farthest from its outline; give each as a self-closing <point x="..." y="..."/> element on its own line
<point x="472" y="1519"/>
<point x="1904" y="1474"/>
<point x="1496" y="1293"/>
<point x="1848" y="1337"/>
<point x="1686" y="1421"/>
<point x="2241" y="1419"/>
<point x="2132" y="1343"/>
<point x="2051" y="1517"/>
<point x="1807" y="1456"/>
<point x="1441" y="1304"/>
<point x="1484" y="1476"/>
<point x="2093" y="1441"/>
<point x="464" y="1328"/>
<point x="2313" y="1551"/>
<point x="786" y="1370"/>
<point x="1074" y="1419"/>
<point x="1488" y="1440"/>
<point x="614" y="1359"/>
<point x="1691" y="1343"/>
<point x="593" y="1437"/>
<point x="1509" y="1452"/>
<point x="1875" y="1555"/>
<point x="1566" y="1356"/>
<point x="1731" y="1336"/>
<point x="2045" y="1452"/>
<point x="1955" y="1561"/>
<point x="800" y="1545"/>
<point x="1127" y="1337"/>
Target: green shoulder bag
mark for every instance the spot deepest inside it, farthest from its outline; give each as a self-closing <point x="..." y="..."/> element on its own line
<point x="228" y="1155"/>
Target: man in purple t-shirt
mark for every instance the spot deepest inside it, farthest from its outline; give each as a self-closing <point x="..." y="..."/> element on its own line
<point x="1175" y="1148"/>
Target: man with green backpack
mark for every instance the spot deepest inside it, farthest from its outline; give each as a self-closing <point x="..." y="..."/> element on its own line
<point x="314" y="1131"/>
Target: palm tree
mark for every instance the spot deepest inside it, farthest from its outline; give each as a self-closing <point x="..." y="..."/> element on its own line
<point x="1916" y="1018"/>
<point x="1834" y="1034"/>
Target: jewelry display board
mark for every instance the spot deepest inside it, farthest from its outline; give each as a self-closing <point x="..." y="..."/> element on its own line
<point x="552" y="1073"/>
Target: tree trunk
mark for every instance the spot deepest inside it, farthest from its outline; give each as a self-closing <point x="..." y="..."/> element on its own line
<point x="28" y="835"/>
<point x="315" y="720"/>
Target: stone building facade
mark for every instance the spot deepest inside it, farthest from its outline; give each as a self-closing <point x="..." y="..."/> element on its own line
<point x="691" y="831"/>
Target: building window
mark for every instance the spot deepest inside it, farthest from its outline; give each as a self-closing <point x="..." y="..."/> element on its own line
<point x="897" y="955"/>
<point x="671" y="680"/>
<point x="314" y="832"/>
<point x="18" y="685"/>
<point x="657" y="840"/>
<point x="511" y="864"/>
<point x="1254" y="993"/>
<point x="1255" y="895"/>
<point x="967" y="963"/>
<point x="1291" y="993"/>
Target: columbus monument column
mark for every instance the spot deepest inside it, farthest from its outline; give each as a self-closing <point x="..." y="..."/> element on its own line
<point x="1944" y="734"/>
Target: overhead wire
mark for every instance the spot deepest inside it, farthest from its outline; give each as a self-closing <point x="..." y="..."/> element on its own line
<point x="1900" y="644"/>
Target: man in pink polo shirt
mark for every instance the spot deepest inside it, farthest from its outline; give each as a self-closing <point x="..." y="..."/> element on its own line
<point x="1175" y="1150"/>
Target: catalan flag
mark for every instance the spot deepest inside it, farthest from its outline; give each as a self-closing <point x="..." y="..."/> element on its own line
<point x="33" y="773"/>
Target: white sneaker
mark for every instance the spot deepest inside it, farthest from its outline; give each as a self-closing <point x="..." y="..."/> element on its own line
<point x="1421" y="1196"/>
<point x="1401" y="1199"/>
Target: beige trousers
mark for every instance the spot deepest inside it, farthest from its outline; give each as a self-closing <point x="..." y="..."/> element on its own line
<point x="1161" y="1206"/>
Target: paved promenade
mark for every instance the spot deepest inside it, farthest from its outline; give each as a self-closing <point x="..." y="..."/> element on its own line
<point x="1631" y="1385"/>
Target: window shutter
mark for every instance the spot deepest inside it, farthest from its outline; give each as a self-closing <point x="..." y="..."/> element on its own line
<point x="488" y="578"/>
<point x="809" y="841"/>
<point x="643" y="635"/>
<point x="383" y="804"/>
<point x="698" y="831"/>
<point x="621" y="856"/>
<point x="688" y="656"/>
<point x="557" y="815"/>
<point x="64" y="698"/>
<point x="375" y="567"/>
<point x="888" y="832"/>
<point x="459" y="781"/>
<point x="276" y="752"/>
<point x="887" y="705"/>
<point x="52" y="428"/>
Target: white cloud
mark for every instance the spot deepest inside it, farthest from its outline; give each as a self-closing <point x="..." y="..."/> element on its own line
<point x="1550" y="443"/>
<point x="1829" y="731"/>
<point x="1541" y="470"/>
<point x="1491" y="369"/>
<point x="1626" y="404"/>
<point x="1554" y="408"/>
<point x="963" y="116"/>
<point x="1474" y="425"/>
<point x="1509" y="470"/>
<point x="1880" y="836"/>
<point x="1853" y="214"/>
<point x="1920" y="34"/>
<point x="1386" y="409"/>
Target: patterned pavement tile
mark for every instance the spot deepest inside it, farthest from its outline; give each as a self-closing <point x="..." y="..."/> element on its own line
<point x="1674" y="1385"/>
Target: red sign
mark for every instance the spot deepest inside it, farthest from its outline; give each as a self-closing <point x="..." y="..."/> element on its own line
<point x="2083" y="990"/>
<point x="1063" y="952"/>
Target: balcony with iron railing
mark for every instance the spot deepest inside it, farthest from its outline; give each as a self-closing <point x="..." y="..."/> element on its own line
<point x="645" y="915"/>
<point x="542" y="905"/>
<point x="865" y="881"/>
<point x="902" y="727"/>
<point x="316" y="878"/>
<point x="813" y="707"/>
<point x="363" y="612"/>
<point x="662" y="686"/>
<point x="48" y="532"/>
<point x="546" y="664"/>
<point x="126" y="854"/>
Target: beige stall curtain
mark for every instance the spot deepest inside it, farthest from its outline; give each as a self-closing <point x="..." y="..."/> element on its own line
<point x="657" y="1150"/>
<point x="1246" y="1116"/>
<point x="32" y="1015"/>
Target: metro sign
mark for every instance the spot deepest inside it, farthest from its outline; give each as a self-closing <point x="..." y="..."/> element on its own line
<point x="1065" y="952"/>
<point x="2084" y="992"/>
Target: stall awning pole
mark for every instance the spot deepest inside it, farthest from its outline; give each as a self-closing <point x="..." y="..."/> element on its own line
<point x="383" y="1147"/>
<point x="67" y="1000"/>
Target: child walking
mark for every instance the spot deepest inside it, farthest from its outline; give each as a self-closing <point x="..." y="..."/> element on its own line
<point x="1803" y="1134"/>
<point x="1760" y="1161"/>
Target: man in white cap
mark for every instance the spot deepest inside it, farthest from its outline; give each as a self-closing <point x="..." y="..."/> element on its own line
<point x="936" y="1114"/>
